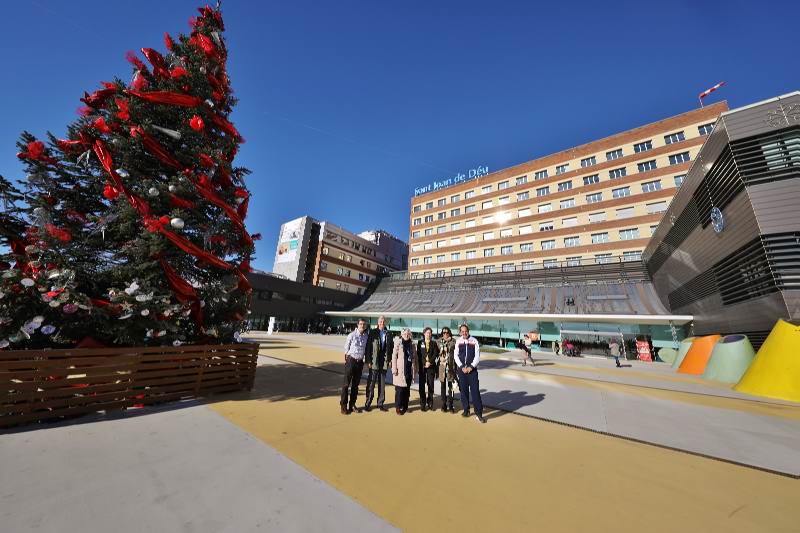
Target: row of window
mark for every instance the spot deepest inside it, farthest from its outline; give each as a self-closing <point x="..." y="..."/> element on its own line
<point x="527" y="247"/>
<point x="620" y="192"/>
<point x="565" y="186"/>
<point x="611" y="155"/>
<point x="635" y="255"/>
<point x="339" y="287"/>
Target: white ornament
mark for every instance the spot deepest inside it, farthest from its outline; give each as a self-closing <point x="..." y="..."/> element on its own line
<point x="145" y="312"/>
<point x="177" y="223"/>
<point x="152" y="191"/>
<point x="133" y="287"/>
<point x="210" y="103"/>
<point x="172" y="188"/>
<point x="176" y="342"/>
<point x="122" y="173"/>
<point x="4" y="343"/>
<point x="27" y="282"/>
<point x="38" y="319"/>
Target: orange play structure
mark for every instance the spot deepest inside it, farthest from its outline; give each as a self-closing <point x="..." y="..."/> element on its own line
<point x="698" y="355"/>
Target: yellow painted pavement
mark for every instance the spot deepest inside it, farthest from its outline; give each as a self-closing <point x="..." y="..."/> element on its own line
<point x="439" y="472"/>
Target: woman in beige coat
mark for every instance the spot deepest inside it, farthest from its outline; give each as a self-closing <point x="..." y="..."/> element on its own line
<point x="404" y="368"/>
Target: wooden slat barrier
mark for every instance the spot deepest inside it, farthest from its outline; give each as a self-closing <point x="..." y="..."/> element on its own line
<point x="38" y="385"/>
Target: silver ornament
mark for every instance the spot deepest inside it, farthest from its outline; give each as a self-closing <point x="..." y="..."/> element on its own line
<point x="122" y="173"/>
<point x="48" y="330"/>
<point x="210" y="103"/>
<point x="152" y="191"/>
<point x="27" y="282"/>
<point x="145" y="312"/>
<point x="176" y="342"/>
<point x="168" y="132"/>
<point x="83" y="159"/>
<point x="4" y="344"/>
<point x="177" y="223"/>
<point x="172" y="188"/>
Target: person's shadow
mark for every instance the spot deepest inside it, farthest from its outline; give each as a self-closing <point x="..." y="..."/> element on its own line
<point x="506" y="401"/>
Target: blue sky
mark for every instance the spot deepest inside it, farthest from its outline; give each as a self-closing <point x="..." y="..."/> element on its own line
<point x="348" y="105"/>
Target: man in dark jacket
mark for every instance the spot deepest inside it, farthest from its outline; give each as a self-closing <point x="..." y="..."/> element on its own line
<point x="378" y="353"/>
<point x="428" y="365"/>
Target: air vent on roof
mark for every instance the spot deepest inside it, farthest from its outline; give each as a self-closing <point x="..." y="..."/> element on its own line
<point x="607" y="297"/>
<point x="517" y="299"/>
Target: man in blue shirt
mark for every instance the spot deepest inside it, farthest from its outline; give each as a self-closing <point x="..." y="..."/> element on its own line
<point x="379" y="352"/>
<point x="354" y="348"/>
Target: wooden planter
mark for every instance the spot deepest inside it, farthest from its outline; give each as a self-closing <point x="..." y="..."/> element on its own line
<point x="38" y="385"/>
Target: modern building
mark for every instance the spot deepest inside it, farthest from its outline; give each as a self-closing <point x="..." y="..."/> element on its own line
<point x="588" y="204"/>
<point x="323" y="254"/>
<point x="728" y="249"/>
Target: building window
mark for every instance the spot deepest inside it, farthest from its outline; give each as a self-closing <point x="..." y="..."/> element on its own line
<point x="470" y="209"/>
<point x="471" y="254"/>
<point x="546" y="226"/>
<point x="440" y="258"/>
<point x="503" y="201"/>
<point x="614" y="154"/>
<point x="502" y="185"/>
<point x="566" y="204"/>
<point x="488" y="236"/>
<point x="545" y="208"/>
<point x="326" y="251"/>
<point x="506" y="233"/>
<point x="488" y="220"/>
<point x="508" y="267"/>
<point x="455" y="226"/>
<point x="589" y="161"/>
<point x="598" y="238"/>
<point x="455" y="212"/>
<point x="428" y="260"/>
<point x="469" y="239"/>
<point x="616" y="173"/>
<point x="521" y="180"/>
<point x="471" y="270"/>
<point x="506" y="250"/>
<point x="525" y="230"/>
<point x="323" y="265"/>
<point x="429" y="218"/>
<point x="428" y="232"/>
<point x="564" y="186"/>
<point x="574" y="261"/>
<point x="571" y="242"/>
<point x="621" y="192"/>
<point x="597" y="217"/>
<point x="526" y="247"/>
<point x="594" y="198"/>
<point x="455" y="256"/>
<point x="523" y="196"/>
<point x="417" y="208"/>
<point x="647" y="165"/>
<point x="550" y="263"/>
<point x="441" y="216"/>
<point x="651" y="186"/>
<point x="320" y="283"/>
<point x="643" y="146"/>
<point x="441" y="229"/>
<point x="527" y="265"/>
<point x="569" y="222"/>
<point x="526" y="212"/>
<point x="469" y="224"/>
<point x="469" y="194"/>
<point x="455" y="271"/>
<point x="426" y="275"/>
<point x="705" y="129"/>
<point x="417" y="221"/>
<point x="441" y="202"/>
<point x="486" y="189"/>
<point x="543" y="191"/>
<point x="416" y="248"/>
<point x="676" y="159"/>
<point x="673" y="138"/>
<point x="488" y="252"/>
<point x="632" y="256"/>
<point x="589" y="180"/>
<point x="415" y="234"/>
<point x="625" y="212"/>
<point x="602" y="258"/>
<point x="455" y="241"/>
<point x="488" y="269"/>
<point x="440" y="273"/>
<point x="679" y="180"/>
<point x="653" y="229"/>
<point x="455" y="198"/>
<point x="486" y="205"/>
<point x="628" y="234"/>
<point x="548" y="245"/>
<point x="561" y="169"/>
<point x="540" y="175"/>
<point x="657" y="207"/>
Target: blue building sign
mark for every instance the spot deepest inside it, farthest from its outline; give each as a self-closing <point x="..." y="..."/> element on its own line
<point x="455" y="180"/>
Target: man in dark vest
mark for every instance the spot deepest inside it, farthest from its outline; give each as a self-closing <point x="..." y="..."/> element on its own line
<point x="379" y="352"/>
<point x="467" y="356"/>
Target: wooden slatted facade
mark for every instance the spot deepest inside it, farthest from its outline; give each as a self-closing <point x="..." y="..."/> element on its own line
<point x="41" y="385"/>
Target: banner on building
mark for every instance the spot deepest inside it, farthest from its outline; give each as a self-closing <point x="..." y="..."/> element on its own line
<point x="643" y="349"/>
<point x="289" y="242"/>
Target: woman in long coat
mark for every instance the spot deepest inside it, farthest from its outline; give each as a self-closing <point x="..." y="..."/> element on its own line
<point x="404" y="368"/>
<point x="447" y="368"/>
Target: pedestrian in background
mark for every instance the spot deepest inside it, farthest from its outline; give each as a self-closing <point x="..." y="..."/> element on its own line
<point x="613" y="351"/>
<point x="404" y="367"/>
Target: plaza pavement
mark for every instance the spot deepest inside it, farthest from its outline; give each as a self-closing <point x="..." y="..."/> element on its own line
<point x="282" y="458"/>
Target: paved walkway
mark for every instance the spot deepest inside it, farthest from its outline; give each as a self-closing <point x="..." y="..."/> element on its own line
<point x="282" y="458"/>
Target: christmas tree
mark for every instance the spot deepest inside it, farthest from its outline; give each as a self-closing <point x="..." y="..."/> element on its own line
<point x="132" y="226"/>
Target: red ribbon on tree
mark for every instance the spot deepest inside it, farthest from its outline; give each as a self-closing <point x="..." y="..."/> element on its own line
<point x="97" y="99"/>
<point x="157" y="60"/>
<point x="177" y="201"/>
<point x="155" y="148"/>
<point x="168" y="98"/>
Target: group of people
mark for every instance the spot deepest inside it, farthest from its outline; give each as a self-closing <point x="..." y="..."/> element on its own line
<point x="446" y="359"/>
